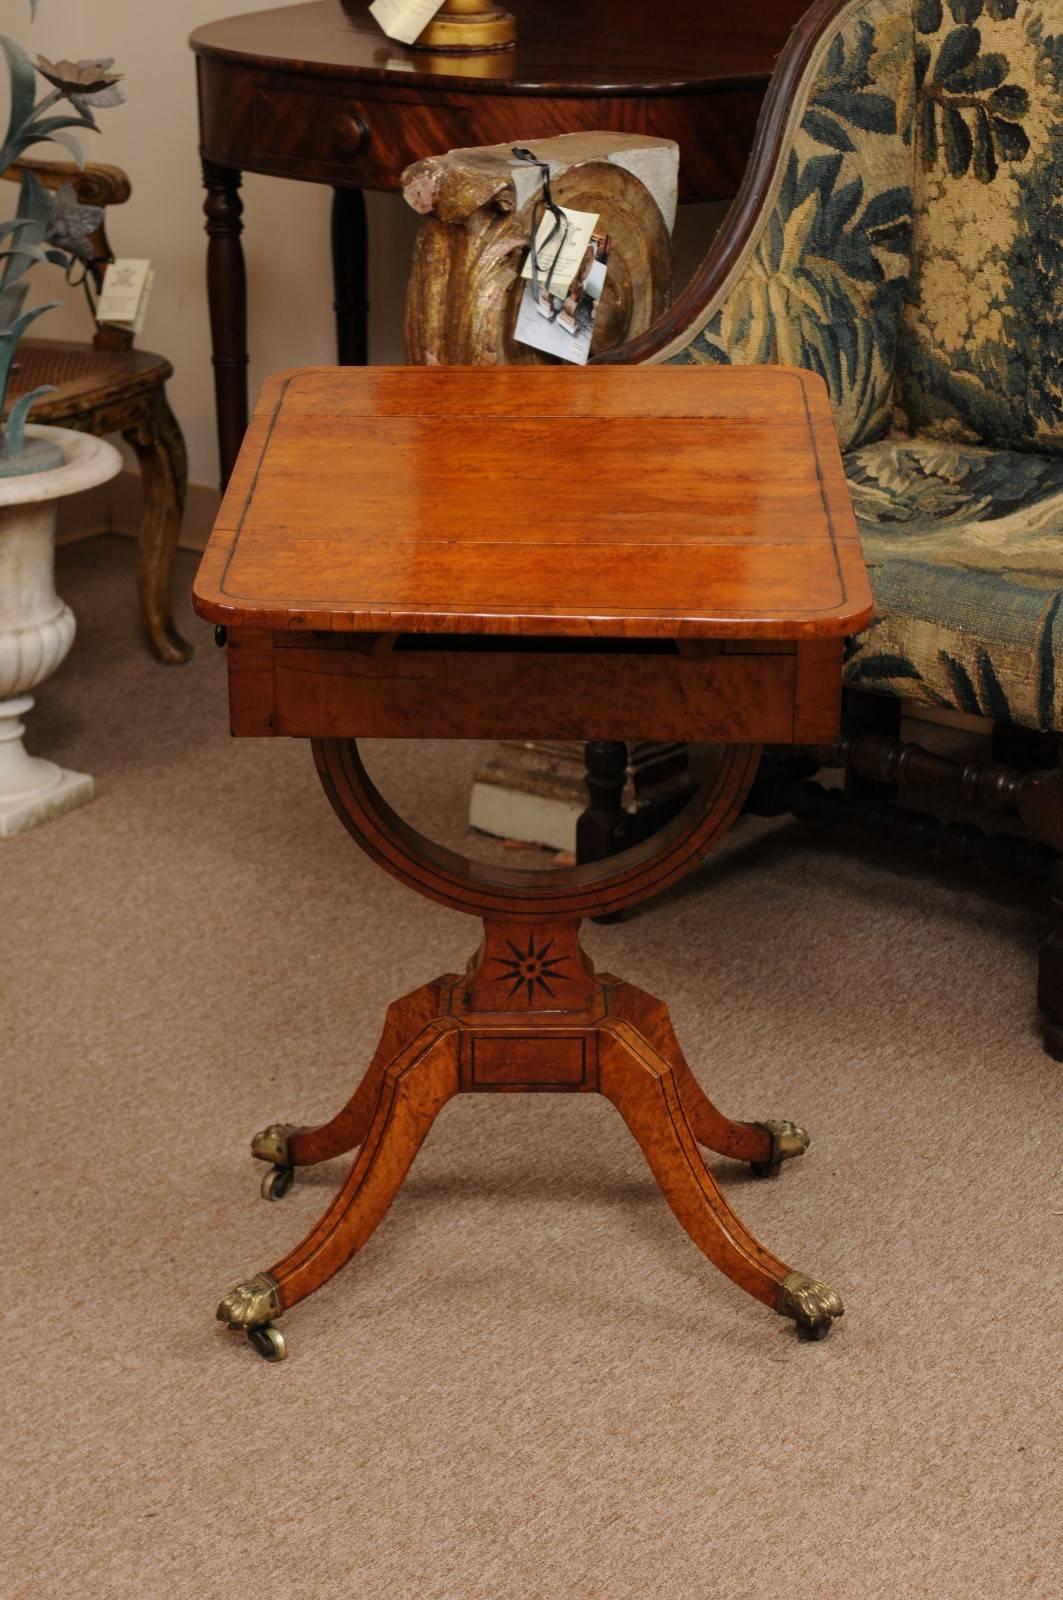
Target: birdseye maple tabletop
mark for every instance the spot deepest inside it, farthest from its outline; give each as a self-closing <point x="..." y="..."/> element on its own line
<point x="645" y="502"/>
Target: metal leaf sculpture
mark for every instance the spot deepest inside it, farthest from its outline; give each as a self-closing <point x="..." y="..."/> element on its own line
<point x="54" y="228"/>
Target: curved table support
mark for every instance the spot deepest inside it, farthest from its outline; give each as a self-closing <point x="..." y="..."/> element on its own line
<point x="529" y="1014"/>
<point x="765" y="1145"/>
<point x="288" y="1145"/>
<point x="642" y="1086"/>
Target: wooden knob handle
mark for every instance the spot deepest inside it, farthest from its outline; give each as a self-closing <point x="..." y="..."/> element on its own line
<point x="349" y="133"/>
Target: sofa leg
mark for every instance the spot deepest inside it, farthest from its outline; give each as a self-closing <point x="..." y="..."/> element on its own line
<point x="883" y="765"/>
<point x="1050" y="969"/>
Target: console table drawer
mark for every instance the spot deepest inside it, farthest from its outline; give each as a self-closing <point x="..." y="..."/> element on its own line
<point x="312" y="133"/>
<point x="288" y="122"/>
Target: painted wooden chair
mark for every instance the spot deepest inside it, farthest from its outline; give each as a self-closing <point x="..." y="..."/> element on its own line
<point x="106" y="387"/>
<point x="900" y="232"/>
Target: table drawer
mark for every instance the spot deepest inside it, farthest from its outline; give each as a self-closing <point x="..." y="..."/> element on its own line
<point x="326" y="687"/>
<point x="310" y="132"/>
<point x="297" y="125"/>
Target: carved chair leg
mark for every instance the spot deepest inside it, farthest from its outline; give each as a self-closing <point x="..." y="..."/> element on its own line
<point x="289" y="1145"/>
<point x="415" y="1087"/>
<point x="1050" y="969"/>
<point x="642" y="1086"/>
<point x="765" y="1145"/>
<point x="160" y="449"/>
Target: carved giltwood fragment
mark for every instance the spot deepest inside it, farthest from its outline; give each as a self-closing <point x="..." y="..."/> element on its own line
<point x="465" y="286"/>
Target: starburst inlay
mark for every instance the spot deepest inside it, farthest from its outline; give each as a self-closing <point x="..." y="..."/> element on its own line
<point x="531" y="969"/>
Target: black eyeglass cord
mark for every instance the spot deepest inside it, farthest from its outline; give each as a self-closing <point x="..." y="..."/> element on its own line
<point x="543" y="207"/>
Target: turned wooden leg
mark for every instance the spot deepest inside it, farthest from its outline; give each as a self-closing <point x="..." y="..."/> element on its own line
<point x="160" y="449"/>
<point x="227" y="300"/>
<point x="350" y="276"/>
<point x="289" y="1145"/>
<point x="601" y="830"/>
<point x="1050" y="969"/>
<point x="415" y="1086"/>
<point x="765" y="1145"/>
<point x="642" y="1085"/>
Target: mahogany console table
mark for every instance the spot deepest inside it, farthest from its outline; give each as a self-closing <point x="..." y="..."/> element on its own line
<point x="316" y="92"/>
<point x="368" y="584"/>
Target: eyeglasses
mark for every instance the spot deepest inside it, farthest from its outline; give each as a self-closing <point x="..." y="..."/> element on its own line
<point x="544" y="206"/>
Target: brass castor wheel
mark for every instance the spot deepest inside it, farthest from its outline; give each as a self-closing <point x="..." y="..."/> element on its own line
<point x="813" y="1331"/>
<point x="268" y="1341"/>
<point x="277" y="1182"/>
<point x="759" y="1169"/>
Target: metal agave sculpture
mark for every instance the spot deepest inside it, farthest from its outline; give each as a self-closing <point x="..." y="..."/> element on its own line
<point x="46" y="227"/>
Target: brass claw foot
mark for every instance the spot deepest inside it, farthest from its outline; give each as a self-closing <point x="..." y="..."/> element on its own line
<point x="250" y="1307"/>
<point x="812" y="1305"/>
<point x="787" y="1140"/>
<point x="272" y="1145"/>
<point x="251" y="1303"/>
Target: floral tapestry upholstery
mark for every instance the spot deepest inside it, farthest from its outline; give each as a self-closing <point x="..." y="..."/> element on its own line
<point x="964" y="548"/>
<point x="910" y="251"/>
<point x="823" y="283"/>
<point x="981" y="351"/>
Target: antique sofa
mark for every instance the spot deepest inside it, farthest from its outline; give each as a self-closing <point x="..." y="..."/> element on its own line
<point x="900" y="232"/>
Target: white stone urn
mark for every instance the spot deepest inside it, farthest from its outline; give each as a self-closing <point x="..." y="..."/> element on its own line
<point x="36" y="628"/>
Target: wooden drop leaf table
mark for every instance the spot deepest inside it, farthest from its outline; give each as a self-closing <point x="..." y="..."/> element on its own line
<point x="468" y="553"/>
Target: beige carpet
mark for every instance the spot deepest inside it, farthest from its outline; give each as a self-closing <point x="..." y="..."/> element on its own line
<point x="530" y="1386"/>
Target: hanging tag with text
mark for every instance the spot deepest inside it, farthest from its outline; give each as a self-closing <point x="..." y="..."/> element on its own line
<point x="560" y="320"/>
<point x="127" y="285"/>
<point x="560" y="258"/>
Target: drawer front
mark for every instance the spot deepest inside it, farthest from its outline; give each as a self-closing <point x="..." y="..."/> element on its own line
<point x="750" y="692"/>
<point x="289" y="685"/>
<point x="333" y="134"/>
<point x="296" y="125"/>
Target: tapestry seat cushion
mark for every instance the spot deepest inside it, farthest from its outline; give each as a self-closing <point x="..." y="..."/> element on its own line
<point x="964" y="546"/>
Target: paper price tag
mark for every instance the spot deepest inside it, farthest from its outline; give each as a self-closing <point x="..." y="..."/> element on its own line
<point x="142" y="309"/>
<point x="404" y="20"/>
<point x="563" y="269"/>
<point x="561" y="322"/>
<point x="126" y="289"/>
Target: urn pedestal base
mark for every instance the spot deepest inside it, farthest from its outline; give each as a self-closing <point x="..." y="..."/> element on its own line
<point x="36" y="628"/>
<point x="32" y="790"/>
<point x="19" y="813"/>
